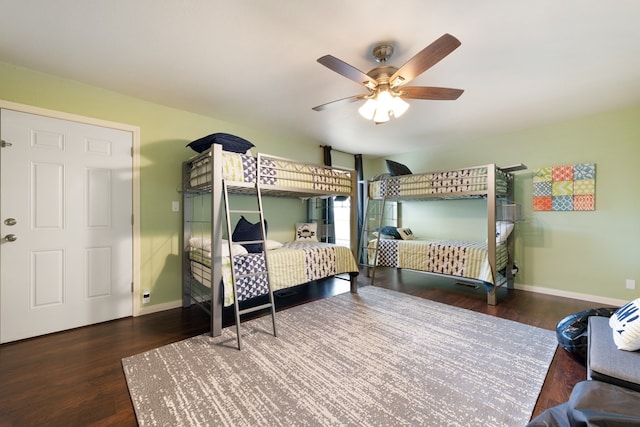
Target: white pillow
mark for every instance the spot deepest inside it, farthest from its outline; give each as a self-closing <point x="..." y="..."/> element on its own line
<point x="503" y="230"/>
<point x="236" y="249"/>
<point x="406" y="233"/>
<point x="625" y="324"/>
<point x="306" y="232"/>
<point x="272" y="244"/>
<point x="205" y="245"/>
<point x="200" y="243"/>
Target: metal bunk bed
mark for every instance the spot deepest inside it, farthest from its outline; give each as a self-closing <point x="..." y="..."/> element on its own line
<point x="212" y="173"/>
<point x="489" y="182"/>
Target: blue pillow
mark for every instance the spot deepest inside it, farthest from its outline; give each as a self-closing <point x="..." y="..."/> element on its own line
<point x="390" y="230"/>
<point x="229" y="142"/>
<point x="396" y="168"/>
<point x="246" y="231"/>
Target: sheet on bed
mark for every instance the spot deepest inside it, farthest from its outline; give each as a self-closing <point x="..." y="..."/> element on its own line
<point x="273" y="171"/>
<point x="293" y="264"/>
<point x="437" y="183"/>
<point x="450" y="257"/>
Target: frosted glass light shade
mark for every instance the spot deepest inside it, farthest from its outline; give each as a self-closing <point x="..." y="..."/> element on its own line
<point x="368" y="109"/>
<point x="399" y="106"/>
<point x="381" y="108"/>
<point x="381" y="115"/>
<point x="385" y="100"/>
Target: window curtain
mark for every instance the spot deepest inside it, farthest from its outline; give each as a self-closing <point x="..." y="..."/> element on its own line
<point x="327" y="205"/>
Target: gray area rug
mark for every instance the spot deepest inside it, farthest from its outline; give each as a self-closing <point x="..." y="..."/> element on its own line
<point x="379" y="358"/>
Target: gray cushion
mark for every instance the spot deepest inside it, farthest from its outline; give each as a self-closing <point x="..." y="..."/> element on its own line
<point x="593" y="403"/>
<point x="605" y="362"/>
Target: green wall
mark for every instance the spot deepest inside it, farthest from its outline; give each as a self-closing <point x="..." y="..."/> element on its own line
<point x="164" y="132"/>
<point x="580" y="254"/>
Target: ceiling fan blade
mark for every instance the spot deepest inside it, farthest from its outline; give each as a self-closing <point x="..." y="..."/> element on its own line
<point x="425" y="59"/>
<point x="349" y="71"/>
<point x="424" y="92"/>
<point x="339" y="102"/>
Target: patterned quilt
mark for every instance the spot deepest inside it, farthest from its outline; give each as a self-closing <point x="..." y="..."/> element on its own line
<point x="273" y="171"/>
<point x="450" y="257"/>
<point x="437" y="183"/>
<point x="293" y="264"/>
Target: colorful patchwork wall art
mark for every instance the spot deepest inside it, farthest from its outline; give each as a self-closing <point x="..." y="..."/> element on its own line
<point x="565" y="188"/>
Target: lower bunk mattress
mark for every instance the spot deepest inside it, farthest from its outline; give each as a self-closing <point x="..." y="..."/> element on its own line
<point x="292" y="264"/>
<point x="448" y="257"/>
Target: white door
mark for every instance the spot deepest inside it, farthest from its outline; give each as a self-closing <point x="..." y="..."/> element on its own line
<point x="66" y="211"/>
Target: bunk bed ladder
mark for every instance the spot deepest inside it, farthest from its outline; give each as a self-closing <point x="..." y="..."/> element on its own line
<point x="374" y="214"/>
<point x="236" y="276"/>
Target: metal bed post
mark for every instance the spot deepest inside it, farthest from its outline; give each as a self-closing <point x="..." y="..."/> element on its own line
<point x="217" y="214"/>
<point x="491" y="231"/>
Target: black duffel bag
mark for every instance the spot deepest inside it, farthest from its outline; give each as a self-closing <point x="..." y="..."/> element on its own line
<point x="572" y="331"/>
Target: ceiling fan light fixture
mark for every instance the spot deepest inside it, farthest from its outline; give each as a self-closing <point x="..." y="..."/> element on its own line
<point x="399" y="106"/>
<point x="368" y="109"/>
<point x="381" y="116"/>
<point x="383" y="106"/>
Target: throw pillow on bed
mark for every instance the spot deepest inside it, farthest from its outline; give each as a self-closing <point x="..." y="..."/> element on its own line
<point x="389" y="230"/>
<point x="503" y="230"/>
<point x="235" y="249"/>
<point x="406" y="233"/>
<point x="397" y="169"/>
<point x="273" y="244"/>
<point x="306" y="232"/>
<point x="246" y="231"/>
<point x="229" y="142"/>
<point x="625" y="323"/>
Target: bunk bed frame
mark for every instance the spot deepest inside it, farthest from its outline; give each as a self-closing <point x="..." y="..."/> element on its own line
<point x="489" y="182"/>
<point x="282" y="178"/>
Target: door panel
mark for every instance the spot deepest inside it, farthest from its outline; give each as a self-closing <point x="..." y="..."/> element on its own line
<point x="68" y="186"/>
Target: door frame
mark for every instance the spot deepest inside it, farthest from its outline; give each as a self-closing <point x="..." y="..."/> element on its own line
<point x="135" y="169"/>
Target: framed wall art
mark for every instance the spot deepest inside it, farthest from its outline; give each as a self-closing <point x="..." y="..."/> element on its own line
<point x="565" y="188"/>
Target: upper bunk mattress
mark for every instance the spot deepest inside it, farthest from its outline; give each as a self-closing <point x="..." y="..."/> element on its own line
<point x="274" y="172"/>
<point x="469" y="182"/>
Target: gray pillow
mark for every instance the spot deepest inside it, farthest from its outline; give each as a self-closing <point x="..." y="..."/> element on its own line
<point x="396" y="169"/>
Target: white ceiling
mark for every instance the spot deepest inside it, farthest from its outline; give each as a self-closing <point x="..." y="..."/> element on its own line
<point x="253" y="62"/>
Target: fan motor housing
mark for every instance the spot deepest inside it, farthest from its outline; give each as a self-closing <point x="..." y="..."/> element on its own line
<point x="382" y="73"/>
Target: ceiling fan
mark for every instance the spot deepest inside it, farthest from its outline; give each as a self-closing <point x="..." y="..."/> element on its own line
<point x="385" y="83"/>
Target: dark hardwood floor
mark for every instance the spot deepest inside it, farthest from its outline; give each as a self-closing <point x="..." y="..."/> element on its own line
<point x="75" y="378"/>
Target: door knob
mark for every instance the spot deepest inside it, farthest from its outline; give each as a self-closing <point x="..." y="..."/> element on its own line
<point x="10" y="221"/>
<point x="10" y="237"/>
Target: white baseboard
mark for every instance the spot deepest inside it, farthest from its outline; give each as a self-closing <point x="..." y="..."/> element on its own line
<point x="159" y="307"/>
<point x="520" y="286"/>
<point x="574" y="295"/>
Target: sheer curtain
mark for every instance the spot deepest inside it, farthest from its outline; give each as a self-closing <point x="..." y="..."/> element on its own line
<point x="328" y="217"/>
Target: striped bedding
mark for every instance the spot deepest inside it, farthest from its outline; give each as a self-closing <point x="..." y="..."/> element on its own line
<point x="437" y="183"/>
<point x="450" y="257"/>
<point x="273" y="171"/>
<point x="293" y="264"/>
